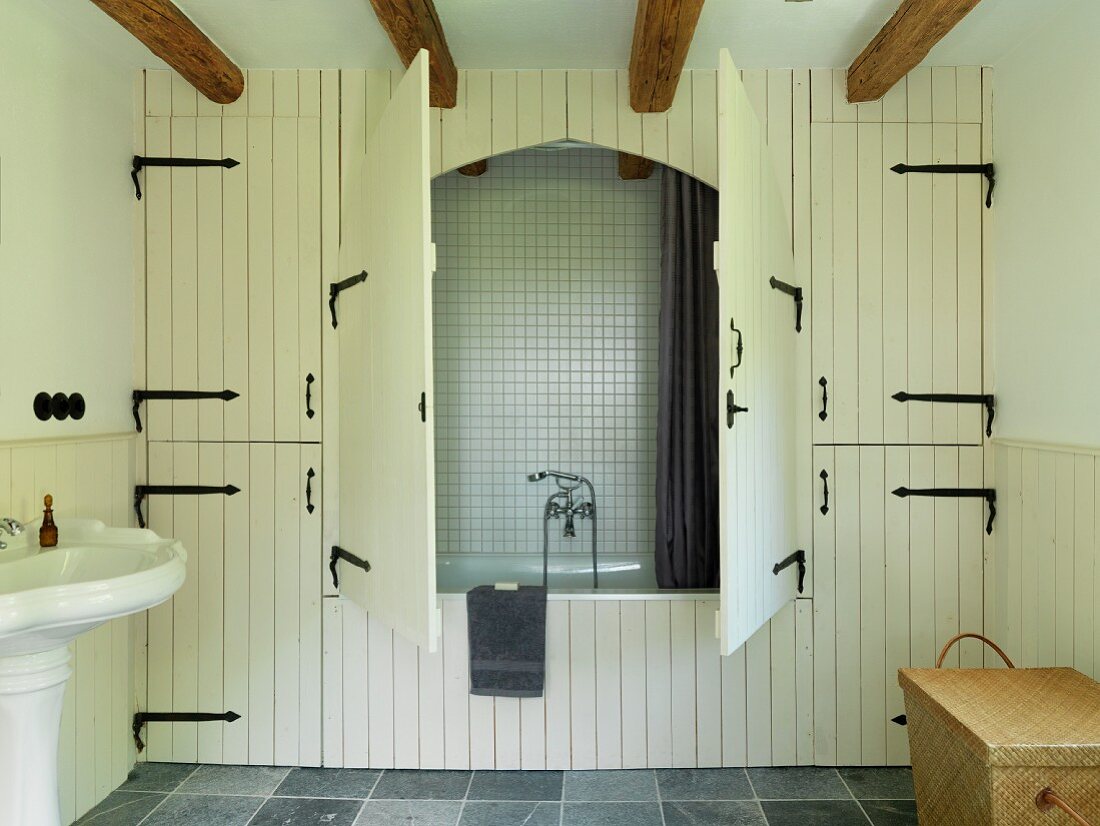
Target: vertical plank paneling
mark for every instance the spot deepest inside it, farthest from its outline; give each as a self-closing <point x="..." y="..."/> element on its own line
<point x="897" y="602"/>
<point x="528" y="108"/>
<point x="358" y="672"/>
<point x="872" y="604"/>
<point x="848" y="650"/>
<point x="261" y="604"/>
<point x="456" y="680"/>
<point x="209" y="371"/>
<point x="609" y="735"/>
<point x="286" y="625"/>
<point x="634" y="683"/>
<point x="554" y="105"/>
<point x="945" y="309"/>
<point x="235" y="303"/>
<point x="261" y="300"/>
<point x="159" y="509"/>
<point x="582" y="683"/>
<point x="284" y="221"/>
<point x="406" y="696"/>
<point x="684" y="690"/>
<point x="380" y="688"/>
<point x="708" y="686"/>
<point x="579" y="107"/>
<point x="919" y="279"/>
<point x="505" y="123"/>
<point x="309" y="280"/>
<point x="870" y="305"/>
<point x="825" y="615"/>
<point x="211" y="583"/>
<point x="557" y="686"/>
<point x="431" y="710"/>
<point x="658" y="656"/>
<point x="238" y="526"/>
<point x="332" y="682"/>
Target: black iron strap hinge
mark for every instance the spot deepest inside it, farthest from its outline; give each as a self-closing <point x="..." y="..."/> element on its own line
<point x="143" y="717"/>
<point x="988" y="494"/>
<point x="141" y="491"/>
<point x="795" y="293"/>
<point x="799" y="558"/>
<point x="986" y="169"/>
<point x="141" y="161"/>
<point x="339" y="553"/>
<point x="901" y="720"/>
<point x="955" y="398"/>
<point x="144" y="395"/>
<point x="338" y="287"/>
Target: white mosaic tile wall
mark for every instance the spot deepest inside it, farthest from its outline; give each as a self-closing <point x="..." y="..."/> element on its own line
<point x="546" y="310"/>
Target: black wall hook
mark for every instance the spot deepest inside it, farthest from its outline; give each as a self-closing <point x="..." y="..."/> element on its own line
<point x="141" y="161"/>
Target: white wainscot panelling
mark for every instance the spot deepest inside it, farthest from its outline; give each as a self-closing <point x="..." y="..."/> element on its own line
<point x="1045" y="574"/>
<point x="90" y="479"/>
<point x="629" y="684"/>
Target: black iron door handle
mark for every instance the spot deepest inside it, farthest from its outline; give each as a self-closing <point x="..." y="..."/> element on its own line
<point x="309" y="396"/>
<point x="309" y="490"/>
<point x="824" y="414"/>
<point x="739" y="349"/>
<point x="825" y="482"/>
<point x="732" y="408"/>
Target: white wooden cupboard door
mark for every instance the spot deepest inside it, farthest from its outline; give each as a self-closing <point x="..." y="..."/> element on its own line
<point x="757" y="445"/>
<point x="387" y="484"/>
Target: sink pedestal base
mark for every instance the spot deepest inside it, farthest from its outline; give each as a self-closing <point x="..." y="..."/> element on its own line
<point x="32" y="691"/>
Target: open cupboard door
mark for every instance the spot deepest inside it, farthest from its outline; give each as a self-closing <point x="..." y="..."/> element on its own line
<point x="756" y="445"/>
<point x="387" y="461"/>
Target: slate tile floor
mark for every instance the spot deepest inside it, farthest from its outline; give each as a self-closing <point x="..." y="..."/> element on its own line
<point x="168" y="794"/>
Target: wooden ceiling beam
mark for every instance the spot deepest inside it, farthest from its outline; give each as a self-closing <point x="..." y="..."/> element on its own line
<point x="413" y="25"/>
<point x="172" y="37"/>
<point x="902" y="44"/>
<point x="634" y="168"/>
<point x="662" y="36"/>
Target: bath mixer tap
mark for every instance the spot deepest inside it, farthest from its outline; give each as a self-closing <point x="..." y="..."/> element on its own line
<point x="13" y="527"/>
<point x="561" y="504"/>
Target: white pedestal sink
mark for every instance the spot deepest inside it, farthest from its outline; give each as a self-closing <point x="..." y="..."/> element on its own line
<point x="48" y="597"/>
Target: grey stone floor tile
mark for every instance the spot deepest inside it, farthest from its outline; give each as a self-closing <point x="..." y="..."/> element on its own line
<point x="798" y="783"/>
<point x="305" y="811"/>
<point x="409" y="813"/>
<point x="704" y="784"/>
<point x="205" y="809"/>
<point x="482" y="813"/>
<point x="713" y="813"/>
<point x="411" y="784"/>
<point x="891" y="812"/>
<point x="879" y="783"/>
<point x="122" y="809"/>
<point x="157" y="777"/>
<point x="611" y="814"/>
<point x="628" y="784"/>
<point x="352" y="783"/>
<point x="813" y="813"/>
<point x="247" y="780"/>
<point x="516" y="785"/>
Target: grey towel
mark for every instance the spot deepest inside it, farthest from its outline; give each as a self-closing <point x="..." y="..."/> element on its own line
<point x="507" y="631"/>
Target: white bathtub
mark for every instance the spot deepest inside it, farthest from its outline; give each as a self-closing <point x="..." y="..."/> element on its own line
<point x="621" y="576"/>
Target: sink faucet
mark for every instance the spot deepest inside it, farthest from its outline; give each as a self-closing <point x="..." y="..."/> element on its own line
<point x="13" y="527"/>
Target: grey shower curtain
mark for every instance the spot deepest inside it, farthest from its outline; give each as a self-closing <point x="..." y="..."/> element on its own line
<point x="687" y="386"/>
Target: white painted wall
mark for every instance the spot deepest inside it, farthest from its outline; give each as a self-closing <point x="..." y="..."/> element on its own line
<point x="66" y="269"/>
<point x="1046" y="247"/>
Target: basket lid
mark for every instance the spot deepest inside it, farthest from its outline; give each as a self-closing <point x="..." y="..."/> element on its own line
<point x="1014" y="717"/>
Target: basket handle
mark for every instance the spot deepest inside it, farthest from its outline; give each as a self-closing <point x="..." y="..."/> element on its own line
<point x="1047" y="799"/>
<point x="986" y="640"/>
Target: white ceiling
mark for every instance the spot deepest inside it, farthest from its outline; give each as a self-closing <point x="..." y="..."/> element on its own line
<point x="558" y="34"/>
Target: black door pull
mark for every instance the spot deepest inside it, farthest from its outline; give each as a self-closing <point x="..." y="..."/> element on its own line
<point x="423" y="407"/>
<point x="309" y="396"/>
<point x="824" y="414"/>
<point x="825" y="482"/>
<point x="309" y="490"/>
<point x="739" y="349"/>
<point x="732" y="408"/>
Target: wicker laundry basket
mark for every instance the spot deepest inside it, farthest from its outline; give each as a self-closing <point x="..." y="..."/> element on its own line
<point x="1003" y="747"/>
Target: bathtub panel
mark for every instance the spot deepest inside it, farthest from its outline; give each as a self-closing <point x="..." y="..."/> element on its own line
<point x="609" y="732"/>
<point x="582" y="681"/>
<point x="632" y="629"/>
<point x="482" y="736"/>
<point x="507" y="730"/>
<point x="456" y="686"/>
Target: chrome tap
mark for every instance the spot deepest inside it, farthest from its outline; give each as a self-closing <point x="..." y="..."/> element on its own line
<point x="13" y="527"/>
<point x="562" y="504"/>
